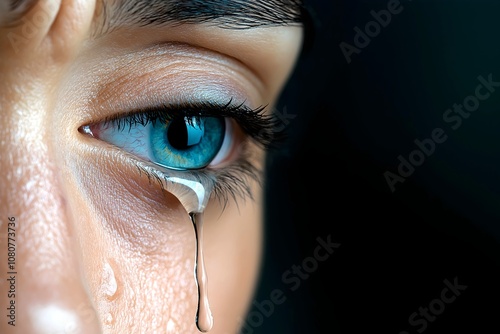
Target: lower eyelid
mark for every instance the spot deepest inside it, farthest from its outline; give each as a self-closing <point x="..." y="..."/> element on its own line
<point x="230" y="182"/>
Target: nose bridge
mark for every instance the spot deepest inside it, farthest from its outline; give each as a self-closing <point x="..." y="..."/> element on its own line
<point x="43" y="290"/>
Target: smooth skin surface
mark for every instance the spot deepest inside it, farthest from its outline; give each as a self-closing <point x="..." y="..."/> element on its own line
<point x="98" y="247"/>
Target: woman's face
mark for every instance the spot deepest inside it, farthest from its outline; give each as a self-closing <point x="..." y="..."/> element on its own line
<point x="106" y="107"/>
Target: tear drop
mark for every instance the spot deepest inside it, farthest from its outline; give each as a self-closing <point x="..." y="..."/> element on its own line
<point x="109" y="285"/>
<point x="204" y="318"/>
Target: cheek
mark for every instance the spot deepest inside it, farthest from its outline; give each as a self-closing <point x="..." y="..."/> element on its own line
<point x="138" y="248"/>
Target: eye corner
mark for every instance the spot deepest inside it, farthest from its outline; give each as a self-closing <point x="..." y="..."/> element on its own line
<point x="86" y="130"/>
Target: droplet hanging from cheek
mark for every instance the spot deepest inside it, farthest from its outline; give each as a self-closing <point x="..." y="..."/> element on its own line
<point x="109" y="286"/>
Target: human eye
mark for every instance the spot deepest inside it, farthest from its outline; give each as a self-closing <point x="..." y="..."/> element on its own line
<point x="205" y="142"/>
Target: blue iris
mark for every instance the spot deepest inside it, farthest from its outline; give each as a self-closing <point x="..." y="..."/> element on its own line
<point x="187" y="143"/>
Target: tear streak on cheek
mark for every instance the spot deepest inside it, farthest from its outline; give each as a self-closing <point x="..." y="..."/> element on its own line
<point x="109" y="292"/>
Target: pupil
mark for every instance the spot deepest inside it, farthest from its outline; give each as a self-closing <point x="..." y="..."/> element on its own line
<point x="182" y="134"/>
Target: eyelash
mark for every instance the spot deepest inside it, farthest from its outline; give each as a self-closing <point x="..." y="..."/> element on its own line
<point x="230" y="182"/>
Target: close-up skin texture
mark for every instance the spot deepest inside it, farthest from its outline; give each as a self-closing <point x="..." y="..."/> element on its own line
<point x="100" y="235"/>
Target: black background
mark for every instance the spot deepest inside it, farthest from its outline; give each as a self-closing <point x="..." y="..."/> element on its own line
<point x="351" y="122"/>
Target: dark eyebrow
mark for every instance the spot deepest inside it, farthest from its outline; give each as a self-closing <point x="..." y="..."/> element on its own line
<point x="229" y="14"/>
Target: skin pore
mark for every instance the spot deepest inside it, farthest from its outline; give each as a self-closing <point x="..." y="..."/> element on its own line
<point x="99" y="246"/>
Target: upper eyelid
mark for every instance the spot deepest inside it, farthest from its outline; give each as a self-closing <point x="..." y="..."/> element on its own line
<point x="265" y="54"/>
<point x="114" y="88"/>
<point x="162" y="57"/>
